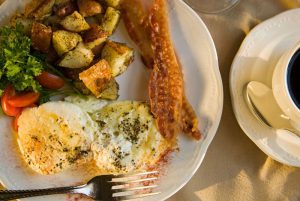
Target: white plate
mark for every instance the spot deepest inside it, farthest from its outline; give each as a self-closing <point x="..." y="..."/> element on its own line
<point x="256" y="60"/>
<point x="198" y="56"/>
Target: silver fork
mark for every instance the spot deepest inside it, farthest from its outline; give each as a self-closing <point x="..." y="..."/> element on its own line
<point x="102" y="188"/>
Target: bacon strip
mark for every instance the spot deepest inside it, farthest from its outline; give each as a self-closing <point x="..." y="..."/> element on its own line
<point x="136" y="21"/>
<point x="166" y="81"/>
<point x="189" y="120"/>
<point x="168" y="102"/>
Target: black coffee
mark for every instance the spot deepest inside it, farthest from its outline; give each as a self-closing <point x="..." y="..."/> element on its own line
<point x="293" y="78"/>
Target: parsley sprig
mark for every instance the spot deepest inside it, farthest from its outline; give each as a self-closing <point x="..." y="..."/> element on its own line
<point x="17" y="65"/>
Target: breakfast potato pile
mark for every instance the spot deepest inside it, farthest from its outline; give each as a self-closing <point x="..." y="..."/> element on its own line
<point x="74" y="34"/>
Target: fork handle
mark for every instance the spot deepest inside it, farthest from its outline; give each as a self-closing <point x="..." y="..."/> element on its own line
<point x="17" y="194"/>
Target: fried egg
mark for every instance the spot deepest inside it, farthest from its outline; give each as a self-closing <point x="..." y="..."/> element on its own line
<point x="55" y="136"/>
<point x="128" y="139"/>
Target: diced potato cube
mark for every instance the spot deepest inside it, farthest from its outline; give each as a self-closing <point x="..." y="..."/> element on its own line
<point x="118" y="55"/>
<point x="81" y="87"/>
<point x="65" y="9"/>
<point x="94" y="38"/>
<point x="97" y="77"/>
<point x="110" y="20"/>
<point x="96" y="46"/>
<point x="113" y="3"/>
<point x="64" y="41"/>
<point x="78" y="58"/>
<point x="43" y="10"/>
<point x="95" y="32"/>
<point x="111" y="92"/>
<point x="75" y="22"/>
<point x="41" y="37"/>
<point x="89" y="7"/>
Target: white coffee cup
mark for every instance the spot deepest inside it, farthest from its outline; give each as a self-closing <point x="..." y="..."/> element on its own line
<point x="282" y="89"/>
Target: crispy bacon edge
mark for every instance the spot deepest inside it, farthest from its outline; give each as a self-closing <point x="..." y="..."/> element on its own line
<point x="135" y="18"/>
<point x="166" y="80"/>
<point x="134" y="15"/>
<point x="189" y="120"/>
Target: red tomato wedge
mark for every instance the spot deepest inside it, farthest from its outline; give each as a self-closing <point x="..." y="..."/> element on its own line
<point x="50" y="81"/>
<point x="24" y="99"/>
<point x="8" y="109"/>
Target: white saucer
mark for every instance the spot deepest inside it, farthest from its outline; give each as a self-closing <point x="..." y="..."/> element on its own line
<point x="255" y="61"/>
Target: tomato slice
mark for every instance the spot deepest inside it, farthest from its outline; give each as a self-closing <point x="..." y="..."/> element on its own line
<point x="8" y="109"/>
<point x="24" y="100"/>
<point x="50" y="81"/>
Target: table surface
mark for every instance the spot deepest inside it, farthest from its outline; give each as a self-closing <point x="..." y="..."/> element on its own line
<point x="234" y="168"/>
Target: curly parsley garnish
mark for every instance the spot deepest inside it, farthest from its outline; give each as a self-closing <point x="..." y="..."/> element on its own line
<point x="17" y="65"/>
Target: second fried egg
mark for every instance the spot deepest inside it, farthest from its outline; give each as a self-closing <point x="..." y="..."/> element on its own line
<point x="128" y="140"/>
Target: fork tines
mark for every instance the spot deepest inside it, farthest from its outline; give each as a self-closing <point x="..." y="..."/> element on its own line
<point x="132" y="186"/>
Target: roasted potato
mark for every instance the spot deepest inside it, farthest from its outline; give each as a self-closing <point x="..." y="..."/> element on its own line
<point x="65" y="9"/>
<point x="89" y="7"/>
<point x="94" y="38"/>
<point x="80" y="86"/>
<point x="95" y="32"/>
<point x="112" y="91"/>
<point x="64" y="41"/>
<point x="41" y="37"/>
<point x="110" y="20"/>
<point x="43" y="10"/>
<point x="118" y="56"/>
<point x="97" y="77"/>
<point x="113" y="3"/>
<point x="78" y="58"/>
<point x="96" y="46"/>
<point x="75" y="22"/>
